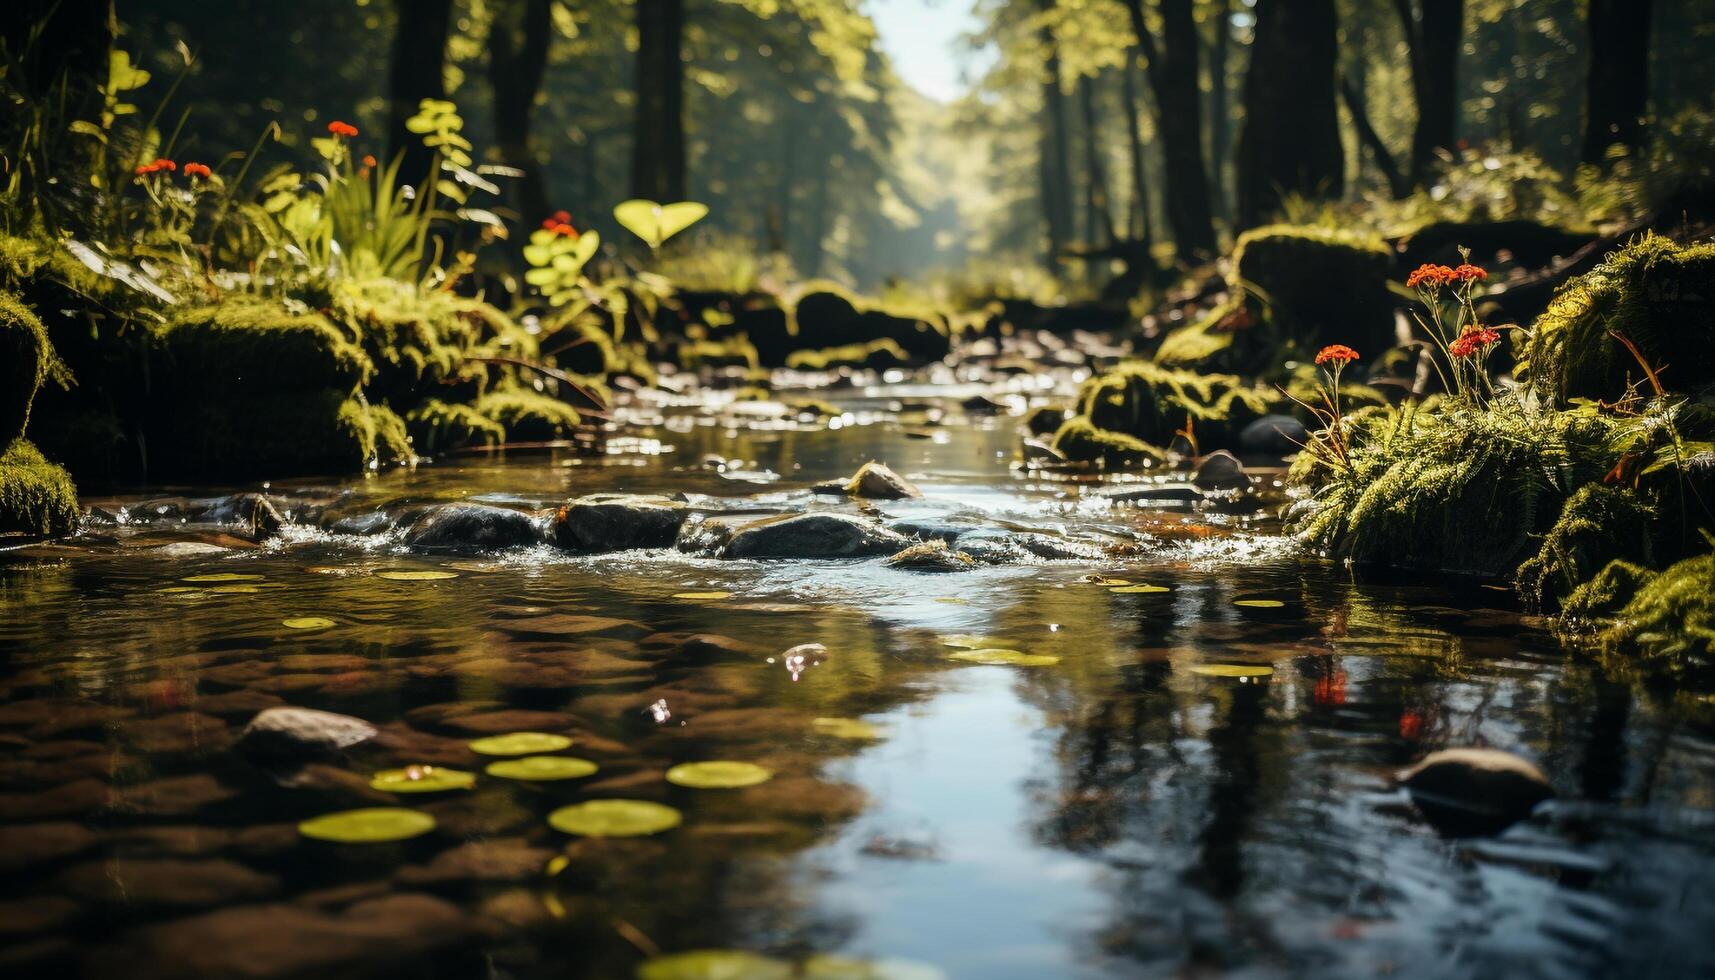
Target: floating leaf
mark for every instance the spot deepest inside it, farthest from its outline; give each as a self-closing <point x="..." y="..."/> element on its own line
<point x="1233" y="670"/>
<point x="846" y="728"/>
<point x="1140" y="590"/>
<point x="307" y="623"/>
<point x="415" y="575"/>
<point x="702" y="596"/>
<point x="968" y="642"/>
<point x="718" y="775"/>
<point x="422" y="779"/>
<point x="542" y="768"/>
<point x="372" y="825"/>
<point x="235" y="589"/>
<point x="1259" y="603"/>
<point x="714" y="964"/>
<point x="176" y="589"/>
<point x="1005" y="658"/>
<point x="520" y="743"/>
<point x="223" y="577"/>
<point x="614" y="818"/>
<point x="825" y="967"/>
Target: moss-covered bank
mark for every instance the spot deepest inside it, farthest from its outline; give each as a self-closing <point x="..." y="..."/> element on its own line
<point x="37" y="498"/>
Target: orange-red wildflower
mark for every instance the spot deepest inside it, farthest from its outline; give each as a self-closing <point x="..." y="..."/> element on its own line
<point x="1469" y="273"/>
<point x="339" y="128"/>
<point x="198" y="170"/>
<point x="1431" y="276"/>
<point x="1340" y="354"/>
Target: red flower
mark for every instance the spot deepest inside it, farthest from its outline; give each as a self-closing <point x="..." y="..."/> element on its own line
<point x="1340" y="354"/>
<point x="560" y="223"/>
<point x="1432" y="277"/>
<point x="1469" y="273"/>
<point x="338" y="128"/>
<point x="1410" y="723"/>
<point x="198" y="170"/>
<point x="368" y="160"/>
<point x="1473" y="341"/>
<point x="160" y="164"/>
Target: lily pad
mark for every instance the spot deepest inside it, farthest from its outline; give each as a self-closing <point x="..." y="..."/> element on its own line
<point x="702" y="596"/>
<point x="224" y="577"/>
<point x="1005" y="658"/>
<point x="307" y="623"/>
<point x="520" y="743"/>
<point x="422" y="779"/>
<point x="859" y="731"/>
<point x="718" y="775"/>
<point x="714" y="964"/>
<point x="1140" y="590"/>
<point x="372" y="825"/>
<point x="614" y="818"/>
<point x="542" y="768"/>
<point x="1259" y="603"/>
<point x="415" y="575"/>
<point x="1233" y="670"/>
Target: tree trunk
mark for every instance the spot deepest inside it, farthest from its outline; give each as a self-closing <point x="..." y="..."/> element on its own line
<point x="658" y="143"/>
<point x="1432" y="37"/>
<point x="419" y="55"/>
<point x="1139" y="228"/>
<point x="1178" y="113"/>
<point x="1098" y="216"/>
<point x="517" y="58"/>
<point x="1220" y="115"/>
<point x="1619" y="76"/>
<point x="1055" y="162"/>
<point x="1397" y="184"/>
<point x="1290" y="142"/>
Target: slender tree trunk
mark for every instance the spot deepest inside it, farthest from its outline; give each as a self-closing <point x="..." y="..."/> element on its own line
<point x="1139" y="223"/>
<point x="1398" y="185"/>
<point x="419" y="57"/>
<point x="1619" y="76"/>
<point x="1178" y="105"/>
<point x="658" y="143"/>
<point x="517" y="59"/>
<point x="1290" y="142"/>
<point x="1220" y="114"/>
<point x="1055" y="165"/>
<point x="1099" y="216"/>
<point x="1432" y="35"/>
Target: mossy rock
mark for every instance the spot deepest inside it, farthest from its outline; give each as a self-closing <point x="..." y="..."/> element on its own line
<point x="875" y="355"/>
<point x="1081" y="441"/>
<point x="1044" y="420"/>
<point x="1668" y="620"/>
<point x="37" y="498"/>
<point x="528" y="416"/>
<point x="1149" y="402"/>
<point x="418" y="338"/>
<point x="1606" y="593"/>
<point x="328" y="432"/>
<point x="731" y="352"/>
<point x="1655" y="293"/>
<point x="824" y="317"/>
<point x="1599" y="524"/>
<point x="26" y="358"/>
<point x="244" y="346"/>
<point x="436" y="426"/>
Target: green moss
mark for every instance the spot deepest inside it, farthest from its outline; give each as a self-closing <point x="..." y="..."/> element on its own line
<point x="246" y="345"/>
<point x="1671" y="617"/>
<point x="528" y="416"/>
<point x="731" y="352"/>
<point x="1079" y="440"/>
<point x="1654" y="292"/>
<point x="875" y="355"/>
<point x="1149" y="402"/>
<point x="1606" y="593"/>
<point x="381" y="435"/>
<point x="37" y="498"/>
<point x="1599" y="524"/>
<point x="26" y="360"/>
<point x="1204" y="344"/>
<point x="437" y="426"/>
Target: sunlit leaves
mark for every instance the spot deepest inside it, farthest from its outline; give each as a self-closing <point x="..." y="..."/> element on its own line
<point x="718" y="775"/>
<point x="542" y="768"/>
<point x="307" y="623"/>
<point x="422" y="779"/>
<point x="656" y="223"/>
<point x="520" y="743"/>
<point x="1004" y="658"/>
<point x="373" y="825"/>
<point x="614" y="818"/>
<point x="1240" y="671"/>
<point x="557" y="262"/>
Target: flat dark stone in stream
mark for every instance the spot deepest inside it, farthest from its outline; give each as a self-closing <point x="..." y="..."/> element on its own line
<point x="1172" y="493"/>
<point x="1475" y="791"/>
<point x="250" y="512"/>
<point x="931" y="556"/>
<point x="810" y="536"/>
<point x="473" y="527"/>
<point x="994" y="546"/>
<point x="1273" y="435"/>
<point x="618" y="522"/>
<point x="1220" y="471"/>
<point x="166" y="882"/>
<point x="363" y="525"/>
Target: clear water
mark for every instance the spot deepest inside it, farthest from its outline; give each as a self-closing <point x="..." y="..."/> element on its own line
<point x="1117" y="814"/>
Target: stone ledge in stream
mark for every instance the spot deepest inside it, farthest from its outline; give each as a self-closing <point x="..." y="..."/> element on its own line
<point x="814" y="535"/>
<point x="474" y="527"/>
<point x="618" y="522"/>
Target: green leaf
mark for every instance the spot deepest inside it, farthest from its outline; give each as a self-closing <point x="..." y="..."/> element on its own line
<point x="422" y="779"/>
<point x="677" y="217"/>
<point x="714" y="964"/>
<point x="122" y="75"/>
<point x="542" y="276"/>
<point x="372" y="825"/>
<point x="614" y="818"/>
<point x="654" y="222"/>
<point x="542" y="768"/>
<point x="718" y="775"/>
<point x="520" y="743"/>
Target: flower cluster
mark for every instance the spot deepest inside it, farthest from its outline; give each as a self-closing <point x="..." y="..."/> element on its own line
<point x="1473" y="341"/>
<point x="1340" y="354"/>
<point x="338" y="128"/>
<point x="560" y="223"/>
<point x="1469" y="273"/>
<point x="198" y="170"/>
<point x="155" y="167"/>
<point x="1432" y="277"/>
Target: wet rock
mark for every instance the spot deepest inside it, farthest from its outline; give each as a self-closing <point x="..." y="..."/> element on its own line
<point x="1475" y="791"/>
<point x="69" y="799"/>
<point x="263" y="942"/>
<point x="994" y="546"/>
<point x="251" y="513"/>
<point x="240" y="702"/>
<point x="499" y="860"/>
<point x="877" y="481"/>
<point x="618" y="522"/>
<point x="363" y="525"/>
<point x="1273" y="435"/>
<point x="811" y="536"/>
<point x="931" y="556"/>
<point x="981" y="405"/>
<point x="24" y="845"/>
<point x="512" y="720"/>
<point x="473" y="527"/>
<point x="339" y="789"/>
<point x="166" y="882"/>
<point x="34" y="914"/>
<point x="557" y="625"/>
<point x="173" y="797"/>
<point x="180" y="733"/>
<point x="1158" y="493"/>
<point x="302" y="733"/>
<point x="678" y="646"/>
<point x="1040" y="451"/>
<point x="188" y="549"/>
<point x="1220" y="471"/>
<point x="171" y="841"/>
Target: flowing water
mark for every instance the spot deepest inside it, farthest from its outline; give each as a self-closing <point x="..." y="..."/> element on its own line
<point x="1122" y="812"/>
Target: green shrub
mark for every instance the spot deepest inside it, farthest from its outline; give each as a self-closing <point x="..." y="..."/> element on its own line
<point x="1149" y="402"/>
<point x="26" y="360"/>
<point x="37" y="498"/>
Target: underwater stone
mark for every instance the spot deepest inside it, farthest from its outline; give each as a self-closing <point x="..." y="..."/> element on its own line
<point x="166" y="882"/>
<point x="877" y="481"/>
<point x="811" y="536"/>
<point x="473" y="527"/>
<point x="299" y="733"/>
<point x="618" y="522"/>
<point x="1273" y="435"/>
<point x="1475" y="790"/>
<point x="1220" y="470"/>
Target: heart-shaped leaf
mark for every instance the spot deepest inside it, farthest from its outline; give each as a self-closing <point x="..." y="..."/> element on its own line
<point x="654" y="222"/>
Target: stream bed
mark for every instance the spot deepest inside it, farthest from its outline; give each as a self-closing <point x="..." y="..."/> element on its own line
<point x="1199" y="782"/>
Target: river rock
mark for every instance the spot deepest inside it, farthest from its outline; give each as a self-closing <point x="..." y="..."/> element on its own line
<point x="1220" y="470"/>
<point x="1156" y="493"/>
<point x="302" y="733"/>
<point x="363" y="525"/>
<point x="1474" y="790"/>
<point x="811" y="536"/>
<point x="618" y="522"/>
<point x="931" y="556"/>
<point x="877" y="481"/>
<point x="22" y="845"/>
<point x="1273" y="435"/>
<point x="166" y="881"/>
<point x="472" y="527"/>
<point x="250" y="512"/>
